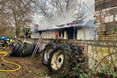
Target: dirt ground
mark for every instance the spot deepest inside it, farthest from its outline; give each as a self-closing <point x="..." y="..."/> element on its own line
<point x="30" y="67"/>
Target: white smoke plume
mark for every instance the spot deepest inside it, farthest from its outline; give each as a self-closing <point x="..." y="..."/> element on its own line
<point x="56" y="12"/>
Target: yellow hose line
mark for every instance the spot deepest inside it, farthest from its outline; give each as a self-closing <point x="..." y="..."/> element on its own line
<point x="5" y="54"/>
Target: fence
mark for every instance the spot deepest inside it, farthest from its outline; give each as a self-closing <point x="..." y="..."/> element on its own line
<point x="96" y="50"/>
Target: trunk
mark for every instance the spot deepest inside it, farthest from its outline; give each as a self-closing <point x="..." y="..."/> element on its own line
<point x="16" y="24"/>
<point x="17" y="32"/>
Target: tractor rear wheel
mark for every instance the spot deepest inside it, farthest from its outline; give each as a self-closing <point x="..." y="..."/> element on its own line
<point x="56" y="60"/>
<point x="46" y="53"/>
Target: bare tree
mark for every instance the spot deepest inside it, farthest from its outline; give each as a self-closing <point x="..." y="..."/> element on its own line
<point x="44" y="9"/>
<point x="60" y="10"/>
<point x="17" y="13"/>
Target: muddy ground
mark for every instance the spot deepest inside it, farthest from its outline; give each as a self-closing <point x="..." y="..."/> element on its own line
<point x="30" y="67"/>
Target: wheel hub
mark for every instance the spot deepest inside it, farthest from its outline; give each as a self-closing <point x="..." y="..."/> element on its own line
<point x="57" y="60"/>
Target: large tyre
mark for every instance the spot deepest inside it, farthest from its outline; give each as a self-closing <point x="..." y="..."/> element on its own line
<point x="77" y="53"/>
<point x="73" y="48"/>
<point x="74" y="51"/>
<point x="68" y="57"/>
<point x="15" y="49"/>
<point x="28" y="49"/>
<point x="80" y="50"/>
<point x="56" y="60"/>
<point x="46" y="53"/>
<point x="19" y="50"/>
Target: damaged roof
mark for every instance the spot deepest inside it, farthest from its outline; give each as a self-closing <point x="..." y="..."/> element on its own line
<point x="77" y="24"/>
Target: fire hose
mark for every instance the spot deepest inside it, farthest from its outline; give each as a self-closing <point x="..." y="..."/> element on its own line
<point x="5" y="54"/>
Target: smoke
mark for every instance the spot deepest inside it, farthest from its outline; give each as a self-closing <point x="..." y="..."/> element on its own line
<point x="58" y="16"/>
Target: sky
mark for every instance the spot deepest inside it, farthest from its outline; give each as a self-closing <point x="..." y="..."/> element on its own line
<point x="89" y="17"/>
